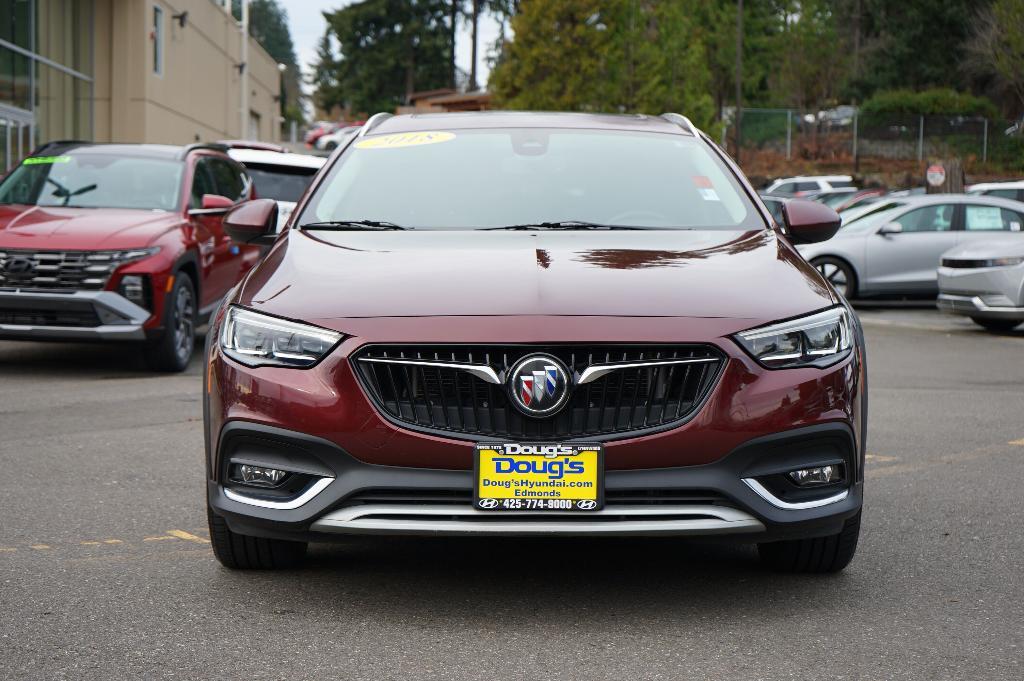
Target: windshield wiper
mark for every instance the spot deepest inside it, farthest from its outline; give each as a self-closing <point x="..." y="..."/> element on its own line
<point x="63" y="192"/>
<point x="352" y="225"/>
<point x="561" y="224"/>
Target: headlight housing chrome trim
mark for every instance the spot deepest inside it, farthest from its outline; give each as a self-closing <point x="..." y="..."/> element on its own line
<point x="819" y="340"/>
<point x="256" y="339"/>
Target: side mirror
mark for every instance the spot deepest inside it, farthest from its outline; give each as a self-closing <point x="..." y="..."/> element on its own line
<point x="890" y="228"/>
<point x="252" y="222"/>
<point x="213" y="204"/>
<point x="809" y="222"/>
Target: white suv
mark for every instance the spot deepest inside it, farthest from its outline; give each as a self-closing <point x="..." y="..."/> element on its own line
<point x="277" y="173"/>
<point x="798" y="186"/>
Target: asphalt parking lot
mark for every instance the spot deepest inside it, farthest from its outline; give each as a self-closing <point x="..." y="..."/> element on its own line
<point x="106" y="569"/>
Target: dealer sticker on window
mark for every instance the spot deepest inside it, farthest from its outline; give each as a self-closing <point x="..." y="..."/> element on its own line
<point x="539" y="477"/>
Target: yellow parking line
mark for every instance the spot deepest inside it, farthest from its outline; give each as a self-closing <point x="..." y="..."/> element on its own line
<point x="40" y="547"/>
<point x="89" y="543"/>
<point x="158" y="538"/>
<point x="187" y="536"/>
<point x="7" y="550"/>
<point x="112" y="541"/>
<point x="1019" y="443"/>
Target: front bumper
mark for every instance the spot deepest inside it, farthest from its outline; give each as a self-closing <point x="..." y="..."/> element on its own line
<point x="346" y="496"/>
<point x="74" y="315"/>
<point x="975" y="306"/>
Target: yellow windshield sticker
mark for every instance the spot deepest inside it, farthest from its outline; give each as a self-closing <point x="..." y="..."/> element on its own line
<point x="405" y="139"/>
<point x="39" y="160"/>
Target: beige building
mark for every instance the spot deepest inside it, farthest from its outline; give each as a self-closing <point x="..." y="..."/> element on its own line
<point x="162" y="71"/>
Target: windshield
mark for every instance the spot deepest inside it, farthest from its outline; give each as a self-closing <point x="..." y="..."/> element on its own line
<point x="84" y="180"/>
<point x="278" y="182"/>
<point x="479" y="179"/>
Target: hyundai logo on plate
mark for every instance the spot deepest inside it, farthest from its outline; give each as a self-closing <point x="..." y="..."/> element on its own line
<point x="539" y="385"/>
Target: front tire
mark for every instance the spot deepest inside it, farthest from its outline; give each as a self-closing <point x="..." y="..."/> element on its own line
<point x="173" y="350"/>
<point x="815" y="555"/>
<point x="1002" y="325"/>
<point x="839" y="274"/>
<point x="242" y="552"/>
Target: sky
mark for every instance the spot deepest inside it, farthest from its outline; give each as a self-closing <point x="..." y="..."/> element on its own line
<point x="305" y="18"/>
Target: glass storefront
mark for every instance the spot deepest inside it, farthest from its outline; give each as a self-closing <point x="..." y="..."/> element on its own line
<point x="46" y="49"/>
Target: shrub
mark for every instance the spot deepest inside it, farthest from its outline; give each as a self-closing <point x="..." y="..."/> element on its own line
<point x="936" y="101"/>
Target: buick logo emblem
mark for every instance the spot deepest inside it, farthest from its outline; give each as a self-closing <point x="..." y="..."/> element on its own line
<point x="488" y="503"/>
<point x="19" y="267"/>
<point x="539" y="385"/>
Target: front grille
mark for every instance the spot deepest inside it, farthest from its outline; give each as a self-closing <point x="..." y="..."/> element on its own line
<point x="84" y="316"/>
<point x="457" y="402"/>
<point x="461" y="497"/>
<point x="57" y="270"/>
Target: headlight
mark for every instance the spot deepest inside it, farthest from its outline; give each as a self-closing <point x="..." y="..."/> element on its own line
<point x="260" y="340"/>
<point x="817" y="340"/>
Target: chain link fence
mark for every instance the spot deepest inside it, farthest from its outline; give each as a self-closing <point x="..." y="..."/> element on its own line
<point x="845" y="137"/>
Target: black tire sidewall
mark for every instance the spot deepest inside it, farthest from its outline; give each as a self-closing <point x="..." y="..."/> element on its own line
<point x="851" y="276"/>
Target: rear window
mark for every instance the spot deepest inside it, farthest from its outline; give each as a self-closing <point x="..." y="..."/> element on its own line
<point x="281" y="183"/>
<point x="477" y="179"/>
<point x="841" y="183"/>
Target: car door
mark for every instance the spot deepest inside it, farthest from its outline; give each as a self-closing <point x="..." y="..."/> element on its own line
<point x="905" y="262"/>
<point x="218" y="256"/>
<point x="982" y="222"/>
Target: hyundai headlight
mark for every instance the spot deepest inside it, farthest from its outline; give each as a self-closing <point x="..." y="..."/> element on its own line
<point x="256" y="339"/>
<point x="817" y="340"/>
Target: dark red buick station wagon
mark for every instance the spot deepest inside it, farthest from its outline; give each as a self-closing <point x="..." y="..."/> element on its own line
<point x="523" y="324"/>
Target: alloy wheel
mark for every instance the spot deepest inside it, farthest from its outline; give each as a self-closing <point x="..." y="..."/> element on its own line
<point x="835" y="275"/>
<point x="184" y="323"/>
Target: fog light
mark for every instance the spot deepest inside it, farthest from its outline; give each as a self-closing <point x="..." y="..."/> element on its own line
<point x="819" y="475"/>
<point x="134" y="288"/>
<point x="260" y="476"/>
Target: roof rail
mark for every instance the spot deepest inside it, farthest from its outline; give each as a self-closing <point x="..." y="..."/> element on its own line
<point x="45" y="146"/>
<point x="372" y="122"/>
<point x="210" y="146"/>
<point x="682" y="121"/>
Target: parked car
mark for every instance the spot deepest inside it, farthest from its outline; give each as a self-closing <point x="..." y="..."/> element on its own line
<point x="1006" y="190"/>
<point x="831" y="197"/>
<point x="798" y="186"/>
<point x="119" y="242"/>
<point x="895" y="251"/>
<point x="473" y="326"/>
<point x="318" y="130"/>
<point x="333" y="140"/>
<point x="277" y="173"/>
<point x="985" y="281"/>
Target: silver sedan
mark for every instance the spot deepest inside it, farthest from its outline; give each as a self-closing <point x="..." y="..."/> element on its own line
<point x="895" y="249"/>
<point x="985" y="282"/>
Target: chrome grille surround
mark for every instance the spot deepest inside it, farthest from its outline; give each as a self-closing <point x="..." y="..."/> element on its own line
<point x="459" y="390"/>
<point x="62" y="270"/>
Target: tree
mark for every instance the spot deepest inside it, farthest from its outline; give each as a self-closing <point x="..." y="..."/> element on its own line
<point x="388" y="49"/>
<point x="268" y="25"/>
<point x="606" y="55"/>
<point x="996" y="48"/>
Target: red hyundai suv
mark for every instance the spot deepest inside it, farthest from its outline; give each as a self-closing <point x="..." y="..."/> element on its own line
<point x="535" y="324"/>
<point x="119" y="242"/>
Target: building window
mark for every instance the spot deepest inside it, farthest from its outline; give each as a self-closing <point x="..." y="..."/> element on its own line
<point x="158" y="40"/>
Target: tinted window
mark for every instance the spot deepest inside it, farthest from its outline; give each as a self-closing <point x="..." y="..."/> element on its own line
<point x="841" y="183"/>
<point x="227" y="178"/>
<point x="787" y="188"/>
<point x="87" y="180"/>
<point x="807" y="186"/>
<point x="834" y="199"/>
<point x="1002" y="193"/>
<point x="202" y="183"/>
<point x="991" y="219"/>
<point x="278" y="182"/>
<point x="474" y="179"/>
<point x="929" y="219"/>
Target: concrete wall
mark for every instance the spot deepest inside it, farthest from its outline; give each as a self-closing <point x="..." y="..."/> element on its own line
<point x="197" y="95"/>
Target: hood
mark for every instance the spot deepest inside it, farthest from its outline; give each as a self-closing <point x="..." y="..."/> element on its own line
<point x="657" y="273"/>
<point x="1009" y="246"/>
<point x="38" y="227"/>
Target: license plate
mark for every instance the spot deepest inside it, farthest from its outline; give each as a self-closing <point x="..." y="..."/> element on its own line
<point x="539" y="477"/>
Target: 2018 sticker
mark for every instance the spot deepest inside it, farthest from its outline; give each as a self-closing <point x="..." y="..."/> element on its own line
<point x="405" y="139"/>
<point x="42" y="160"/>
